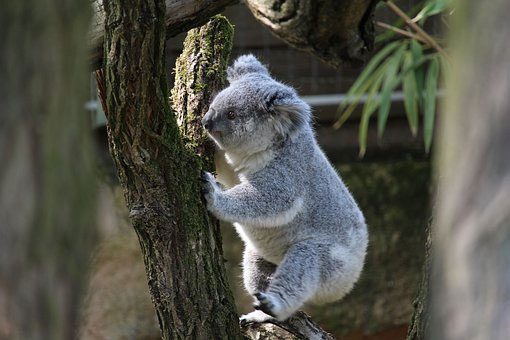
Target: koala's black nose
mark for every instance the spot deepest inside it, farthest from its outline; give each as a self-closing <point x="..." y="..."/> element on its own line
<point x="207" y="123"/>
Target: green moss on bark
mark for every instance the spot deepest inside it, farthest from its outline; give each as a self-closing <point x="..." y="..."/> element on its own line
<point x="199" y="71"/>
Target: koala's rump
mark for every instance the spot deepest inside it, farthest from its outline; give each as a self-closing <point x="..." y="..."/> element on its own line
<point x="341" y="270"/>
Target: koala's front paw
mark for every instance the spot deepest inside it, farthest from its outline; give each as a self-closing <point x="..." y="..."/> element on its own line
<point x="209" y="187"/>
<point x="271" y="305"/>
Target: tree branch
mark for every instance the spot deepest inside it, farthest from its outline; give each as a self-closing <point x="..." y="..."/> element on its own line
<point x="300" y="326"/>
<point x="180" y="16"/>
<point x="403" y="32"/>
<point x="335" y="31"/>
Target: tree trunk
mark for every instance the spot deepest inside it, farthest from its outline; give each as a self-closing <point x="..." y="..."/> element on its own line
<point x="160" y="171"/>
<point x="418" y="327"/>
<point x="46" y="174"/>
<point x="180" y="16"/>
<point x="335" y="31"/>
<point x="471" y="291"/>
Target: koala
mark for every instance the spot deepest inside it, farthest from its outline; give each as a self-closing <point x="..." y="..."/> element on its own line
<point x="305" y="237"/>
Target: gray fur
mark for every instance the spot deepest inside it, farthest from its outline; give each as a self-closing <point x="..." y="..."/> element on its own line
<point x="305" y="237"/>
<point x="243" y="65"/>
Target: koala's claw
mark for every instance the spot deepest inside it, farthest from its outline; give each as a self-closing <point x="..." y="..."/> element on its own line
<point x="264" y="304"/>
<point x="209" y="185"/>
<point x="204" y="191"/>
<point x="243" y="322"/>
<point x="204" y="177"/>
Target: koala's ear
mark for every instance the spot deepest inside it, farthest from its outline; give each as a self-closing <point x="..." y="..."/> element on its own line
<point x="245" y="64"/>
<point x="289" y="113"/>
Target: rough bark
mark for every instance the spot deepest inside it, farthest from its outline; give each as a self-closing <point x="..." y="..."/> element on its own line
<point x="418" y="326"/>
<point x="471" y="286"/>
<point x="335" y="31"/>
<point x="160" y="174"/>
<point x="199" y="74"/>
<point x="46" y="174"/>
<point x="180" y="16"/>
<point x="299" y="326"/>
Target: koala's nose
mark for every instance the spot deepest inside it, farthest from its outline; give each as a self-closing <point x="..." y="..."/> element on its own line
<point x="207" y="123"/>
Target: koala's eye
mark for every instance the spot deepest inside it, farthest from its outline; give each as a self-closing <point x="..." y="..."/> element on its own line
<point x="231" y="115"/>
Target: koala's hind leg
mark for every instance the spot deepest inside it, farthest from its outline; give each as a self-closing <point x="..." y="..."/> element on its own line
<point x="256" y="272"/>
<point x="295" y="281"/>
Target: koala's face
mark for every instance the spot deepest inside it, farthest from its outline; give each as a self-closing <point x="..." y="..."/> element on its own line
<point x="254" y="111"/>
<point x="237" y="119"/>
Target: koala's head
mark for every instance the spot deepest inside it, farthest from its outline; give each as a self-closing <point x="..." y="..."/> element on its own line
<point x="255" y="110"/>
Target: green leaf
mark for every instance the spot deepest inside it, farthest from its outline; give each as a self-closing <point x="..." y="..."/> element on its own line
<point x="373" y="100"/>
<point x="410" y="94"/>
<point x="417" y="52"/>
<point x="430" y="102"/>
<point x="432" y="7"/>
<point x="354" y="103"/>
<point x="399" y="23"/>
<point x="389" y="85"/>
<point x="362" y="83"/>
<point x="369" y="69"/>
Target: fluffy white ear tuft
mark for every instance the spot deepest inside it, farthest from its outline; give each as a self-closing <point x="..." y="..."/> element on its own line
<point x="290" y="116"/>
<point x="243" y="65"/>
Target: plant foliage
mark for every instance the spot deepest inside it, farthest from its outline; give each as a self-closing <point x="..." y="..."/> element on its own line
<point x="409" y="63"/>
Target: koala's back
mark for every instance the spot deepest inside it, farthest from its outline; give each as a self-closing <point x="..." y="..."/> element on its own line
<point x="327" y="213"/>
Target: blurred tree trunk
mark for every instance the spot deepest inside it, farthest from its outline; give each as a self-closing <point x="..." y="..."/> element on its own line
<point x="159" y="169"/>
<point x="46" y="173"/>
<point x="471" y="291"/>
<point x="418" y="326"/>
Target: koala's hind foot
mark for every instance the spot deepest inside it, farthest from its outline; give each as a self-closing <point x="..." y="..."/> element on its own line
<point x="254" y="317"/>
<point x="295" y="281"/>
<point x="270" y="305"/>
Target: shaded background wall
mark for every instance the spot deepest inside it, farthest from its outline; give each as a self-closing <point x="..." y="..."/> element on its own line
<point x="391" y="185"/>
